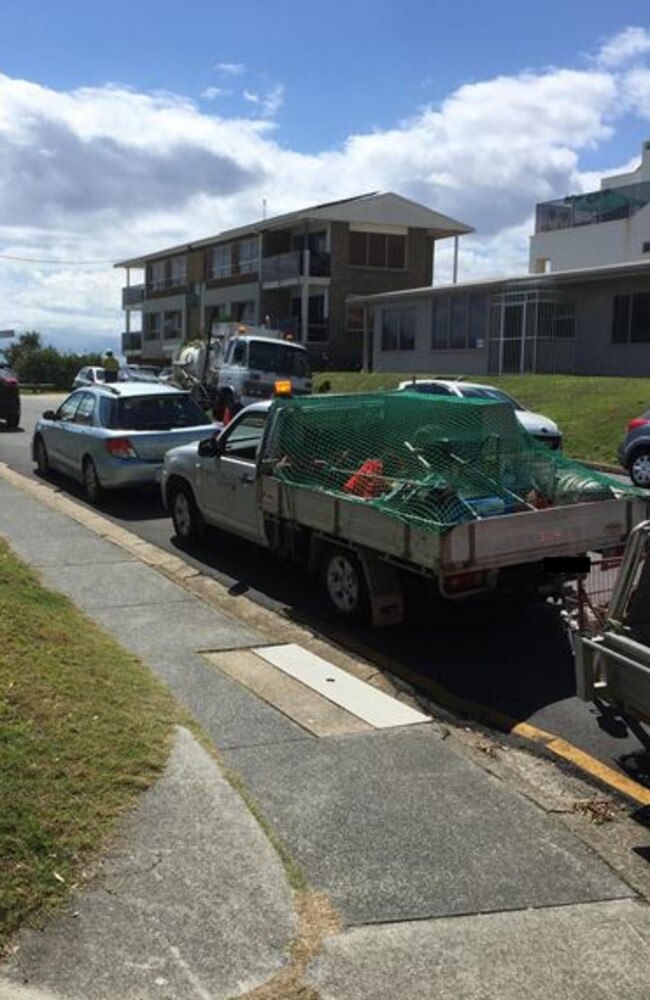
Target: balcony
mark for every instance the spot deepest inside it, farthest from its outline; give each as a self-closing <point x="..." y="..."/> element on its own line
<point x="607" y="205"/>
<point x="131" y="342"/>
<point x="290" y="266"/>
<point x="132" y="296"/>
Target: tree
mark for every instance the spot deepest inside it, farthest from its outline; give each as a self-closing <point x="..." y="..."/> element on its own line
<point x="27" y="342"/>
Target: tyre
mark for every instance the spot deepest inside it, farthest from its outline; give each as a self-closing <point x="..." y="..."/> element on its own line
<point x="41" y="457"/>
<point x="92" y="486"/>
<point x="188" y="523"/>
<point x="344" y="585"/>
<point x="639" y="468"/>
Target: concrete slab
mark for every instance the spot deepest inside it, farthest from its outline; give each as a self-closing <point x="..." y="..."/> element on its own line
<point x="125" y="584"/>
<point x="192" y="902"/>
<point x="230" y="715"/>
<point x="396" y="825"/>
<point x="355" y="696"/>
<point x="175" y="625"/>
<point x="570" y="953"/>
<point x="45" y="538"/>
<point x="307" y="708"/>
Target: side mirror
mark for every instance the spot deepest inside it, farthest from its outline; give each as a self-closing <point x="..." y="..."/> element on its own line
<point x="50" y="415"/>
<point x="209" y="448"/>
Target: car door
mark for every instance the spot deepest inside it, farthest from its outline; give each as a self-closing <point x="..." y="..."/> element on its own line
<point x="81" y="432"/>
<point x="57" y="432"/>
<point x="227" y="490"/>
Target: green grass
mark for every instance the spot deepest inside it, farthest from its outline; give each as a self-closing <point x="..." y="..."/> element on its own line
<point x="592" y="411"/>
<point x="84" y="727"/>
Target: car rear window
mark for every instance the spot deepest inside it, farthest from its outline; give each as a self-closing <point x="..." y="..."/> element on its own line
<point x="152" y="413"/>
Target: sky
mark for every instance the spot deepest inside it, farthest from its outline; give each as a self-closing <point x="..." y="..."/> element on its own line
<point x="126" y="128"/>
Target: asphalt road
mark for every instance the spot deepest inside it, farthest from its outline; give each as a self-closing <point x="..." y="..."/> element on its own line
<point x="509" y="657"/>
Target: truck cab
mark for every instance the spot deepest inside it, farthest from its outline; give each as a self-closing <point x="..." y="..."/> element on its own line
<point x="251" y="367"/>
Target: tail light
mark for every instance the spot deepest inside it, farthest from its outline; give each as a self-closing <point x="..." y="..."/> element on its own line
<point x="638" y="422"/>
<point x="460" y="583"/>
<point x="120" y="448"/>
<point x="8" y="379"/>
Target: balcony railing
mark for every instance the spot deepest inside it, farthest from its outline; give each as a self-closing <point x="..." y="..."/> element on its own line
<point x="607" y="205"/>
<point x="288" y="266"/>
<point x="132" y="296"/>
<point x="131" y="342"/>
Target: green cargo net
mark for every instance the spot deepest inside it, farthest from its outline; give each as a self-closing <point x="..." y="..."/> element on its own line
<point x="430" y="461"/>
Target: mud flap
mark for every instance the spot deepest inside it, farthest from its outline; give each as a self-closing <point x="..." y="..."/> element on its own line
<point x="384" y="590"/>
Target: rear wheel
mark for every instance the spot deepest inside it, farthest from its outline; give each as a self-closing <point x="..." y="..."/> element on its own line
<point x="40" y="457"/>
<point x="640" y="468"/>
<point x="345" y="585"/>
<point x="92" y="485"/>
<point x="188" y="523"/>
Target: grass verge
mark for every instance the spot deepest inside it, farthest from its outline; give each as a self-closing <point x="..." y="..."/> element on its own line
<point x="84" y="727"/>
<point x="593" y="412"/>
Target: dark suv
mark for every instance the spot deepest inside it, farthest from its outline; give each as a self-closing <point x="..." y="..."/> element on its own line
<point x="634" y="450"/>
<point x="9" y="395"/>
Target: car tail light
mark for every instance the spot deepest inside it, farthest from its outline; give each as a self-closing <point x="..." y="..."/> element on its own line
<point x="460" y="583"/>
<point x="8" y="379"/>
<point x="120" y="448"/>
<point x="637" y="422"/>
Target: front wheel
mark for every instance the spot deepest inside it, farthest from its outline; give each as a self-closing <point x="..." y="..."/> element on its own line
<point x="345" y="585"/>
<point x="40" y="457"/>
<point x="188" y="523"/>
<point x="640" y="468"/>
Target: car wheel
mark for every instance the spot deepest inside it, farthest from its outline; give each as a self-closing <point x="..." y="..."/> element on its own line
<point x="639" y="468"/>
<point x="188" y="523"/>
<point x="345" y="585"/>
<point x="41" y="457"/>
<point x="92" y="485"/>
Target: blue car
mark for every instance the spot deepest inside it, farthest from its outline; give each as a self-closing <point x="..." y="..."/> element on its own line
<point x="114" y="436"/>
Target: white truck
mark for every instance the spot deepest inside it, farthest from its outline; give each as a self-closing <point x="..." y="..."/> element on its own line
<point x="243" y="365"/>
<point x="362" y="553"/>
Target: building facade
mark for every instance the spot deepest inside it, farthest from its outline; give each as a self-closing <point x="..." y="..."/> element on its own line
<point x="591" y="321"/>
<point x="596" y="229"/>
<point x="294" y="273"/>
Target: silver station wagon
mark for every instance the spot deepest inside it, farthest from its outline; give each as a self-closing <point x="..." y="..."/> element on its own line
<point x="115" y="436"/>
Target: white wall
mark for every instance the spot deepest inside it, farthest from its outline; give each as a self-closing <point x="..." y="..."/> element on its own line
<point x="597" y="245"/>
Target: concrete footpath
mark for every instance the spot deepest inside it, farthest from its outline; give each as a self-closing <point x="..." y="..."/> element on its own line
<point x="420" y="859"/>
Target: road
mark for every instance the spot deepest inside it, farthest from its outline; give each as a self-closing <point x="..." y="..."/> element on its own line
<point x="507" y="658"/>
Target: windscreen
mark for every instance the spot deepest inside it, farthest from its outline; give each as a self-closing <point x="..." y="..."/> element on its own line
<point x="281" y="359"/>
<point x="483" y="392"/>
<point x="152" y="413"/>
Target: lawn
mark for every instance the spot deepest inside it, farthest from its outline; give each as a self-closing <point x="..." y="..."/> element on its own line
<point x="593" y="412"/>
<point x="84" y="727"/>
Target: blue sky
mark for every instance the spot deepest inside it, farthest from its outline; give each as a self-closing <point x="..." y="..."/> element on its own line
<point x="127" y="127"/>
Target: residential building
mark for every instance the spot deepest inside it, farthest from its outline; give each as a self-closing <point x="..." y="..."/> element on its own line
<point x="596" y="229"/>
<point x="591" y="321"/>
<point x="294" y="273"/>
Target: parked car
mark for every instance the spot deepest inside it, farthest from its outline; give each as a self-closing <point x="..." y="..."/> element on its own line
<point x="634" y="450"/>
<point x="112" y="436"/>
<point x="89" y="375"/>
<point x="9" y="395"/>
<point x="539" y="426"/>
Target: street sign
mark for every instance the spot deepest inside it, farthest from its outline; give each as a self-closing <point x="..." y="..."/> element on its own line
<point x="7" y="333"/>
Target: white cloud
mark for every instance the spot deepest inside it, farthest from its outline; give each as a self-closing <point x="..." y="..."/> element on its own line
<point x="268" y="104"/>
<point x="230" y="69"/>
<point x="212" y="93"/>
<point x="624" y="47"/>
<point x="108" y="173"/>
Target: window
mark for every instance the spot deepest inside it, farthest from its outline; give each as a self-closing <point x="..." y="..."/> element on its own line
<point x="631" y="319"/>
<point x="152" y="326"/>
<point x="172" y="325"/>
<point x="149" y="413"/>
<point x="157" y="275"/>
<point x="244" y="440"/>
<point x="68" y="407"/>
<point x="646" y="247"/>
<point x="248" y="256"/>
<point x="398" y="329"/>
<point x="354" y="319"/>
<point x="379" y="250"/>
<point x="459" y="322"/>
<point x="243" y="312"/>
<point x="221" y="262"/>
<point x="177" y="271"/>
<point x="86" y="409"/>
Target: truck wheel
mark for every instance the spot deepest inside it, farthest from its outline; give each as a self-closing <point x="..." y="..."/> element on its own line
<point x="188" y="523"/>
<point x="345" y="585"/>
<point x="640" y="468"/>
